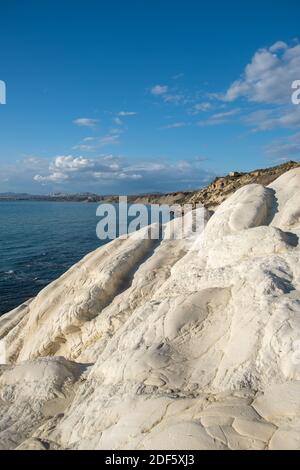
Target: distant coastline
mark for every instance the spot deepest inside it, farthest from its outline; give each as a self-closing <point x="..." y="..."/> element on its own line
<point x="82" y="197"/>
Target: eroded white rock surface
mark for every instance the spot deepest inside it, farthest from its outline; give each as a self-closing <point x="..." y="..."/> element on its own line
<point x="181" y="344"/>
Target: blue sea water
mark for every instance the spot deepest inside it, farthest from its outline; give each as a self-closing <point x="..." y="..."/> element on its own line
<point x="39" y="241"/>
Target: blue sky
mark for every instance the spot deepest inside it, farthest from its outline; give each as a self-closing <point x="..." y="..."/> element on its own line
<point x="132" y="96"/>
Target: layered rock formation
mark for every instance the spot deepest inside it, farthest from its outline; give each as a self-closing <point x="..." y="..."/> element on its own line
<point x="222" y="187"/>
<point x="166" y="344"/>
<point x="219" y="190"/>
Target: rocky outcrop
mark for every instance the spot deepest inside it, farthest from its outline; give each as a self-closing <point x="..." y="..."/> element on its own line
<point x="220" y="189"/>
<point x="189" y="343"/>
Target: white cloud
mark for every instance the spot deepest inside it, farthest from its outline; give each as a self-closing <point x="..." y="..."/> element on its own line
<point x="109" y="139"/>
<point x="173" y="98"/>
<point x="285" y="148"/>
<point x="114" y="176"/>
<point x="56" y="177"/>
<point x="219" y="118"/>
<point x="175" y="125"/>
<point x="159" y="89"/>
<point x="71" y="163"/>
<point x="201" y="107"/>
<point x="278" y="45"/>
<point x="104" y="174"/>
<point x="265" y="87"/>
<point x="226" y="114"/>
<point x="268" y="77"/>
<point x="116" y="131"/>
<point x="151" y="167"/>
<point x="148" y="175"/>
<point x="117" y="121"/>
<point x="84" y="148"/>
<point x="169" y="95"/>
<point x="86" y="122"/>
<point x="266" y="119"/>
<point x="33" y="162"/>
<point x="127" y="113"/>
<point x="91" y="144"/>
<point x="133" y="176"/>
<point x="69" y="167"/>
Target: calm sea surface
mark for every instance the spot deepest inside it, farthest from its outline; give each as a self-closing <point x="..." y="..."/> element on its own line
<point x="39" y="241"/>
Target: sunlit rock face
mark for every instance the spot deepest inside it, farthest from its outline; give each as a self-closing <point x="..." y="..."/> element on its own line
<point x="175" y="344"/>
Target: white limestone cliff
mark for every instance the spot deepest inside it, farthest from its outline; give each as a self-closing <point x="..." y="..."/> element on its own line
<point x="175" y="344"/>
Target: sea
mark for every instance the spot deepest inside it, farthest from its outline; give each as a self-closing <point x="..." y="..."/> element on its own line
<point x="39" y="241"/>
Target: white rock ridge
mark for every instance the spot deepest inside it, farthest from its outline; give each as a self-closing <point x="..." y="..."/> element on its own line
<point x="182" y="344"/>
